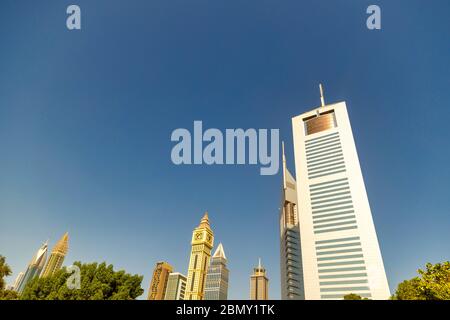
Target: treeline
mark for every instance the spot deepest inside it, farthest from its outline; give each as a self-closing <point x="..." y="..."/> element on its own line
<point x="85" y="281"/>
<point x="93" y="281"/>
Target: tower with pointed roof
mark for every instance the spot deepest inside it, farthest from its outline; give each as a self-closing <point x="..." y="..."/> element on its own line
<point x="290" y="249"/>
<point x="217" y="276"/>
<point x="34" y="268"/>
<point x="201" y="245"/>
<point x="259" y="283"/>
<point x="57" y="256"/>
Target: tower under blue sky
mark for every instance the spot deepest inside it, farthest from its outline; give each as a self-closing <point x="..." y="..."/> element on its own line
<point x="86" y="118"/>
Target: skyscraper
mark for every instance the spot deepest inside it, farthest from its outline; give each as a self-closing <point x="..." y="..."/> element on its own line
<point x="217" y="276"/>
<point x="290" y="255"/>
<point x="259" y="284"/>
<point x="57" y="256"/>
<point x="339" y="245"/>
<point x="176" y="287"/>
<point x="202" y="243"/>
<point x="17" y="282"/>
<point x="159" y="280"/>
<point x="34" y="268"/>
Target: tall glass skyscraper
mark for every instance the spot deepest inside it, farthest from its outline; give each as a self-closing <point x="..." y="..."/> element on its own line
<point x="290" y="255"/>
<point x="34" y="268"/>
<point x="339" y="245"/>
<point x="217" y="276"/>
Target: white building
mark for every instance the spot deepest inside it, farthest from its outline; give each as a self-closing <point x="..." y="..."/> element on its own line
<point x="339" y="245"/>
<point x="176" y="286"/>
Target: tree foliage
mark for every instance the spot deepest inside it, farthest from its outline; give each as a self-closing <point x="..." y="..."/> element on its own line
<point x="97" y="282"/>
<point x="354" y="296"/>
<point x="5" y="271"/>
<point x="8" y="295"/>
<point x="431" y="284"/>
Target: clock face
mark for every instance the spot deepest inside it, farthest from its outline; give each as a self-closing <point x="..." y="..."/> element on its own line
<point x="198" y="236"/>
<point x="208" y="237"/>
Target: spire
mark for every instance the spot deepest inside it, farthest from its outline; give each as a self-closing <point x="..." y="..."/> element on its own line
<point x="259" y="263"/>
<point x="219" y="253"/>
<point x="205" y="221"/>
<point x="284" y="165"/>
<point x="322" y="99"/>
<point x="62" y="245"/>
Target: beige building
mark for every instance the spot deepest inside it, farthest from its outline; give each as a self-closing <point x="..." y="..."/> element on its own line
<point x="176" y="287"/>
<point x="57" y="256"/>
<point x="159" y="281"/>
<point x="259" y="284"/>
<point x="201" y="245"/>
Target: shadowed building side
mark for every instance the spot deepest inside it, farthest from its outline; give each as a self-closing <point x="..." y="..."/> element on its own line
<point x="290" y="249"/>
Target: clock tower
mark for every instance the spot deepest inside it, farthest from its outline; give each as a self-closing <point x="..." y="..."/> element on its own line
<point x="202" y="243"/>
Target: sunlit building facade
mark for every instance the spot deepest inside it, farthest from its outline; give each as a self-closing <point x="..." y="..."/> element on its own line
<point x="158" y="284"/>
<point x="259" y="283"/>
<point x="176" y="287"/>
<point x="339" y="246"/>
<point x="201" y="245"/>
<point x="57" y="256"/>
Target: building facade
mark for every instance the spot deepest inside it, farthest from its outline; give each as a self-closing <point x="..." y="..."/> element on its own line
<point x="176" y="287"/>
<point x="290" y="249"/>
<point x="158" y="284"/>
<point x="18" y="280"/>
<point x="57" y="256"/>
<point x="201" y="245"/>
<point x="34" y="268"/>
<point x="339" y="245"/>
<point x="217" y="276"/>
<point x="259" y="284"/>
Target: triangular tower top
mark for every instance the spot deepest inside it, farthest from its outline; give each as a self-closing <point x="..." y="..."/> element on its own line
<point x="219" y="253"/>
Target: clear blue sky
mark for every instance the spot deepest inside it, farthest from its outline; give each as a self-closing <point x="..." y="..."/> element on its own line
<point x="86" y="118"/>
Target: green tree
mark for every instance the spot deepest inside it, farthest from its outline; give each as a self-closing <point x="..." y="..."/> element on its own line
<point x="8" y="295"/>
<point x="97" y="282"/>
<point x="431" y="284"/>
<point x="5" y="271"/>
<point x="354" y="296"/>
